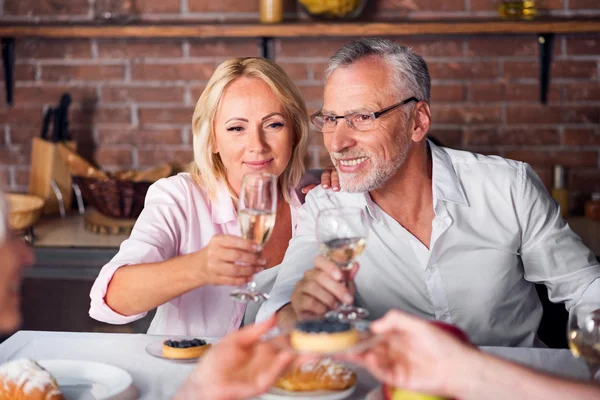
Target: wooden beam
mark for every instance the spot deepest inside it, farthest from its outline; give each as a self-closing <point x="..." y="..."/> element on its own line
<point x="187" y="30"/>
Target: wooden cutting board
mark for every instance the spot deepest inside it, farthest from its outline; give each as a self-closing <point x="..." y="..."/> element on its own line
<point x="101" y="224"/>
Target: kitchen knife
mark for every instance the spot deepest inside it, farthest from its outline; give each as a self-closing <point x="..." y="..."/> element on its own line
<point x="65" y="102"/>
<point x="46" y="123"/>
<point x="60" y="117"/>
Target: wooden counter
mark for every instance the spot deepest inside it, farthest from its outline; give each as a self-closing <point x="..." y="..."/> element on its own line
<point x="70" y="232"/>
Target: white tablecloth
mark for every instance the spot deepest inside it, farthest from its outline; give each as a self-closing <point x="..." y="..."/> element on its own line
<point x="157" y="379"/>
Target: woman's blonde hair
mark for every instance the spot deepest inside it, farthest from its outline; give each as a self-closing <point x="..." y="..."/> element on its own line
<point x="207" y="168"/>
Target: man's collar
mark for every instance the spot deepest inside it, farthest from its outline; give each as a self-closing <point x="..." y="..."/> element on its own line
<point x="446" y="185"/>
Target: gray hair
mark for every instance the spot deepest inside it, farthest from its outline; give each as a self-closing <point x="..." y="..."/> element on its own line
<point x="409" y="69"/>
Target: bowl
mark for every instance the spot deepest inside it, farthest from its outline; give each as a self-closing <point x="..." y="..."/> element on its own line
<point x="25" y="210"/>
<point x="333" y="9"/>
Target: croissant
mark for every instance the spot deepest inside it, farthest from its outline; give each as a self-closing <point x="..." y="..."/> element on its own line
<point x="27" y="380"/>
<point x="322" y="375"/>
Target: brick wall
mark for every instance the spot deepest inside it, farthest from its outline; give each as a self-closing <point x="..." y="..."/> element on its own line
<point x="133" y="99"/>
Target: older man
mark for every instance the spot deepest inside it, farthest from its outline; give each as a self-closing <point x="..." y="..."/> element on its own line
<point x="455" y="236"/>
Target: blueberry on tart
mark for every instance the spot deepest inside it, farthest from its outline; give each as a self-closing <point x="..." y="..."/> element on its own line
<point x="184" y="349"/>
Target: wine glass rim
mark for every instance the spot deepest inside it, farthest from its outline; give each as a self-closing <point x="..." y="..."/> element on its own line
<point x="265" y="174"/>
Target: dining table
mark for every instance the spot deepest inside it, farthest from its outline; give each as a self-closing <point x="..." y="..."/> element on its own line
<point x="155" y="378"/>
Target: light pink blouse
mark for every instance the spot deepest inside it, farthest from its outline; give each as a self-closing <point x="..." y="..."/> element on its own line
<point x="178" y="218"/>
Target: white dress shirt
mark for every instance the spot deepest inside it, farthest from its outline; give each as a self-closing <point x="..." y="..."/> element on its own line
<point x="496" y="232"/>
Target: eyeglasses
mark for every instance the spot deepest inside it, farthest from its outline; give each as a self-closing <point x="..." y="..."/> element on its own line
<point x="361" y="121"/>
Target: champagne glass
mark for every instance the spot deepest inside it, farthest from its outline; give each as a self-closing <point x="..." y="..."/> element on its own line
<point x="257" y="208"/>
<point x="584" y="334"/>
<point x="342" y="234"/>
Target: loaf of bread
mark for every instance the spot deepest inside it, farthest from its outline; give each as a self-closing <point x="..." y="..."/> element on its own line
<point x="324" y="374"/>
<point x="27" y="380"/>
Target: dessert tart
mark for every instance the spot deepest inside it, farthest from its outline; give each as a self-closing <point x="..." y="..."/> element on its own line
<point x="323" y="336"/>
<point x="184" y="349"/>
<point x="324" y="374"/>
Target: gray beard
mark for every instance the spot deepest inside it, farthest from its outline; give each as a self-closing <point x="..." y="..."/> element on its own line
<point x="380" y="172"/>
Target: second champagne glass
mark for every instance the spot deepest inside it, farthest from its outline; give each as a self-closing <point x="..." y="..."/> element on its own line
<point x="584" y="334"/>
<point x="257" y="208"/>
<point x="342" y="234"/>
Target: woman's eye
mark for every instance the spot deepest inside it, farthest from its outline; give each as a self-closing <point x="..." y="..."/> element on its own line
<point x="235" y="129"/>
<point x="275" y="125"/>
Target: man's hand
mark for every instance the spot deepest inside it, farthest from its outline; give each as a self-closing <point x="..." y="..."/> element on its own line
<point x="322" y="289"/>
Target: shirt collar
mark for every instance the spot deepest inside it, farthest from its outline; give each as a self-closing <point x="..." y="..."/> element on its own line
<point x="446" y="185"/>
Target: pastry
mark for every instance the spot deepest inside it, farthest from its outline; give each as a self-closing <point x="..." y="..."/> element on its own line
<point x="27" y="380"/>
<point x="182" y="349"/>
<point x="322" y="375"/>
<point x="323" y="336"/>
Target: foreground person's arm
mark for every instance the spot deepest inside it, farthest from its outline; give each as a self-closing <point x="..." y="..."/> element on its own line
<point x="418" y="356"/>
<point x="497" y="379"/>
<point x="241" y="366"/>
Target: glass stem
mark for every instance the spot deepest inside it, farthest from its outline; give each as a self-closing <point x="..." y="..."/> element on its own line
<point x="594" y="369"/>
<point x="346" y="281"/>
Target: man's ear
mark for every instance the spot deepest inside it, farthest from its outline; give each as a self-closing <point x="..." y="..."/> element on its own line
<point x="422" y="121"/>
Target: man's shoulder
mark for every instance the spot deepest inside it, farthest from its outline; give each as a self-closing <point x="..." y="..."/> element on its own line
<point x="475" y="160"/>
<point x="493" y="169"/>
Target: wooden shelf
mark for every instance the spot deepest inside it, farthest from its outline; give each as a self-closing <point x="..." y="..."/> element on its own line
<point x="298" y="29"/>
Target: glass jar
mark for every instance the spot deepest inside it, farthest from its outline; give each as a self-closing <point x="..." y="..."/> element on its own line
<point x="592" y="207"/>
<point x="271" y="11"/>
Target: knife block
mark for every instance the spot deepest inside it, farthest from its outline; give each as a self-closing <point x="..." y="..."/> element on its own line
<point x="48" y="165"/>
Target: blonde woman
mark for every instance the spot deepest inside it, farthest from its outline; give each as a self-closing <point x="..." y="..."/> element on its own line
<point x="184" y="252"/>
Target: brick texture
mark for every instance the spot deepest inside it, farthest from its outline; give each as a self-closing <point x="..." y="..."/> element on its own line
<point x="133" y="99"/>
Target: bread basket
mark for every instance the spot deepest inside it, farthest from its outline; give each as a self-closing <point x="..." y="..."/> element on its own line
<point x="25" y="210"/>
<point x="122" y="194"/>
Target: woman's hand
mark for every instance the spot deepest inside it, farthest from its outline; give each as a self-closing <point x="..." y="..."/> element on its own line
<point x="329" y="179"/>
<point x="227" y="260"/>
<point x="240" y="366"/>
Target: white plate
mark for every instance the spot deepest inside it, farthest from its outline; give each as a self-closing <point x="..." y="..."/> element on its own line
<point x="280" y="394"/>
<point x="155" y="348"/>
<point x="83" y="380"/>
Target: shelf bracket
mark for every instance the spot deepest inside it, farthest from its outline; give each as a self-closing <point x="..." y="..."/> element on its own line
<point x="266" y="48"/>
<point x="8" y="62"/>
<point x="546" y="41"/>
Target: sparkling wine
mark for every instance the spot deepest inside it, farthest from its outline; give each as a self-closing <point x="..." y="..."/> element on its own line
<point x="584" y="347"/>
<point x="256" y="225"/>
<point x="343" y="251"/>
